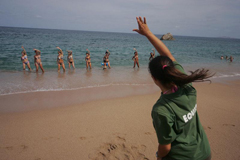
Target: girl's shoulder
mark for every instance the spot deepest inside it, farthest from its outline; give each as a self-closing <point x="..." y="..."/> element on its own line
<point x="179" y="67"/>
<point x="160" y="105"/>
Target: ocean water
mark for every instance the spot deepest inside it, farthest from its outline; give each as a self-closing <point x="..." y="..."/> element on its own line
<point x="191" y="52"/>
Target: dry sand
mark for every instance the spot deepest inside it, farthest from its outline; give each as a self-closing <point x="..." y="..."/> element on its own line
<point x="119" y="128"/>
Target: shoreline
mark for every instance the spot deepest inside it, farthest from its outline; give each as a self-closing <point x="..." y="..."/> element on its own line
<point x="116" y="127"/>
<point x="39" y="100"/>
<point x="13" y="83"/>
<point x="24" y="102"/>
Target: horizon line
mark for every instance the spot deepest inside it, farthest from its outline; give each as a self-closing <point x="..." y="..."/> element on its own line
<point x="224" y="37"/>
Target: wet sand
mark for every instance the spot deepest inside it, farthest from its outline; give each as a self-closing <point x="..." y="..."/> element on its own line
<point x="111" y="128"/>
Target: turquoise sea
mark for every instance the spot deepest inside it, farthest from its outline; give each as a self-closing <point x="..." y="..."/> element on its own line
<point x="191" y="52"/>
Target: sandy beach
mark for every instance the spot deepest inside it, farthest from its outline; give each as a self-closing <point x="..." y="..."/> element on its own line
<point x="113" y="128"/>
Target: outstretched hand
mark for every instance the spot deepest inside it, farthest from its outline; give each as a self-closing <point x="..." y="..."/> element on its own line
<point x="58" y="48"/>
<point x="142" y="26"/>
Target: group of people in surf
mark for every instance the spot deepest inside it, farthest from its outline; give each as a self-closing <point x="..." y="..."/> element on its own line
<point x="60" y="61"/>
<point x="37" y="60"/>
<point x="227" y="58"/>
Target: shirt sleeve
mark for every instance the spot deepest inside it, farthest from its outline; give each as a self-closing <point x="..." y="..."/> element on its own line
<point x="163" y="125"/>
<point x="179" y="67"/>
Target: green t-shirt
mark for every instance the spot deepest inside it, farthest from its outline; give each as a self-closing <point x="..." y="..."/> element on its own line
<point x="176" y="121"/>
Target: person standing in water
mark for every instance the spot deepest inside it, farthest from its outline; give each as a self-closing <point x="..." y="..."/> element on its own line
<point x="70" y="60"/>
<point x="135" y="58"/>
<point x="152" y="55"/>
<point x="25" y="60"/>
<point x="37" y="60"/>
<point x="175" y="118"/>
<point x="106" y="60"/>
<point x="60" y="61"/>
<point x="231" y="58"/>
<point x="88" y="59"/>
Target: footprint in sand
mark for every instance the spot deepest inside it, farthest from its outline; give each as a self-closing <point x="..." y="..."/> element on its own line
<point x="24" y="147"/>
<point x="205" y="128"/>
<point x="142" y="148"/>
<point x="121" y="139"/>
<point x="233" y="125"/>
<point x="118" y="149"/>
<point x="9" y="148"/>
<point x="82" y="138"/>
<point x="148" y="133"/>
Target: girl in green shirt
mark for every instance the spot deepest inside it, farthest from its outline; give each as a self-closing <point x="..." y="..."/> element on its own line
<point x="175" y="118"/>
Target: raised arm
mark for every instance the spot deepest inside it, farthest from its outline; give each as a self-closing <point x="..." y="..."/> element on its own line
<point x="36" y="50"/>
<point x="88" y="51"/>
<point x="60" y="49"/>
<point x="23" y="49"/>
<point x="153" y="52"/>
<point x="156" y="42"/>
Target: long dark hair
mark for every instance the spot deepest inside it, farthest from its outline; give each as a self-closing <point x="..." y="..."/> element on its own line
<point x="162" y="69"/>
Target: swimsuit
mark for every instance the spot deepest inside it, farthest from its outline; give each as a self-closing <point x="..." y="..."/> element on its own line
<point x="25" y="57"/>
<point x="135" y="57"/>
<point x="88" y="59"/>
<point x="69" y="58"/>
<point x="105" y="59"/>
<point x="38" y="63"/>
<point x="61" y="57"/>
<point x="38" y="57"/>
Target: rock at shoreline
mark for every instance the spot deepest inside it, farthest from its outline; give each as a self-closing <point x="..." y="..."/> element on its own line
<point x="167" y="36"/>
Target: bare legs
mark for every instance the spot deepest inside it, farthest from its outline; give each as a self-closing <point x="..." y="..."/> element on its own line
<point x="36" y="65"/>
<point x="88" y="64"/>
<point x="106" y="64"/>
<point x="63" y="66"/>
<point x="136" y="62"/>
<point x="28" y="65"/>
<point x="109" y="65"/>
<point x="40" y="67"/>
<point x="69" y="65"/>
